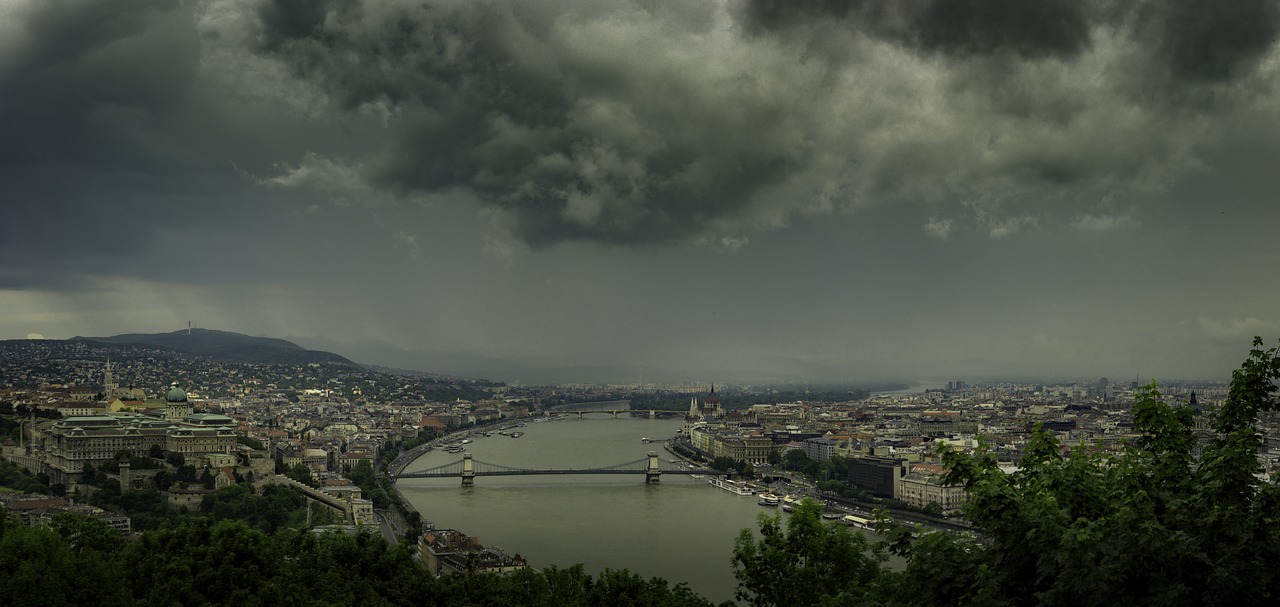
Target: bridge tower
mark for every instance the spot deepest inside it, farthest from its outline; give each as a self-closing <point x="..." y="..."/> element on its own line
<point x="651" y="471"/>
<point x="652" y="415"/>
<point x="468" y="470"/>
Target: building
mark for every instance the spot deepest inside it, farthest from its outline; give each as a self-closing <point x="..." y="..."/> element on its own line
<point x="922" y="487"/>
<point x="71" y="443"/>
<point x="877" y="475"/>
<point x="819" y="449"/>
<point x="449" y="551"/>
<point x="177" y="406"/>
<point x="709" y="408"/>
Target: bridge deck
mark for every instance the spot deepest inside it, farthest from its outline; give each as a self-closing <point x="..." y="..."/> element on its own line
<point x="453" y="473"/>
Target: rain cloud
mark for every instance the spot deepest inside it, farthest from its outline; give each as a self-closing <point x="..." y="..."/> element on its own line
<point x="652" y="122"/>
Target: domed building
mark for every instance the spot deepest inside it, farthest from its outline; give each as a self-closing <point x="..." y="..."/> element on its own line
<point x="177" y="407"/>
<point x="709" y="409"/>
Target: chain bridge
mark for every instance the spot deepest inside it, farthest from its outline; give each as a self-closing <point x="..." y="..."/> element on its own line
<point x="468" y="469"/>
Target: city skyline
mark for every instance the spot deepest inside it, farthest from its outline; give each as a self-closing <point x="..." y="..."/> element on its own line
<point x="730" y="189"/>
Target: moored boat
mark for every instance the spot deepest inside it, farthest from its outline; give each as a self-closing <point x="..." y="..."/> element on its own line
<point x="770" y="500"/>
<point x="730" y="486"/>
<point x="856" y="521"/>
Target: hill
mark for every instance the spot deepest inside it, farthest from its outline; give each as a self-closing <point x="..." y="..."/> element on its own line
<point x="225" y="346"/>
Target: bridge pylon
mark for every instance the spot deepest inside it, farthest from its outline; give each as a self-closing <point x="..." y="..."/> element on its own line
<point x="652" y="471"/>
<point x="468" y="470"/>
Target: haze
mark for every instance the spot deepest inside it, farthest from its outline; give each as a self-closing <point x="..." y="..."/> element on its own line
<point x="739" y="190"/>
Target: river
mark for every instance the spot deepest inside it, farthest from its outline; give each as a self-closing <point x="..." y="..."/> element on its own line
<point x="682" y="529"/>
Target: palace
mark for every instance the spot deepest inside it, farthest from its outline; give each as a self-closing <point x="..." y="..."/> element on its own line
<point x="71" y="443"/>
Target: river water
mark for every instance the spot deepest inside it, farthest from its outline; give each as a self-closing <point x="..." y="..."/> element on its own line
<point x="682" y="529"/>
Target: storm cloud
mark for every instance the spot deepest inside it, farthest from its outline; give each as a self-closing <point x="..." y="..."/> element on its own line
<point x="851" y="185"/>
<point x="649" y="122"/>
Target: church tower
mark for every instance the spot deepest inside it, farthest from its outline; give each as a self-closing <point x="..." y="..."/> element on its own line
<point x="108" y="386"/>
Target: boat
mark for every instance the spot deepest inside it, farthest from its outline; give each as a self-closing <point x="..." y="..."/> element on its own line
<point x="466" y="440"/>
<point x="516" y="434"/>
<point x="856" y="521"/>
<point x="646" y="440"/>
<point x="733" y="487"/>
<point x="770" y="500"/>
<point x="696" y="476"/>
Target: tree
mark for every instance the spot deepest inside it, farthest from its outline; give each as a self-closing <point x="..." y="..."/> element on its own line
<point x="82" y="532"/>
<point x="37" y="567"/>
<point x="1150" y="526"/>
<point x="808" y="563"/>
<point x="301" y="473"/>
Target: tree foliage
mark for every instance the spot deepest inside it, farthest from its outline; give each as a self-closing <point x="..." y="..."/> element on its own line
<point x="810" y="563"/>
<point x="1151" y="525"/>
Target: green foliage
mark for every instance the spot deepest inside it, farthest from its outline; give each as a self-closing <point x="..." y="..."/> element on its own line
<point x="207" y="562"/>
<point x="254" y="444"/>
<point x="270" y="511"/>
<point x="810" y="563"/>
<point x="836" y="468"/>
<point x="38" y="568"/>
<point x="568" y="587"/>
<point x="728" y="464"/>
<point x="362" y="475"/>
<point x="82" y="532"/>
<point x="1150" y="526"/>
<point x="18" y="479"/>
<point x="302" y="474"/>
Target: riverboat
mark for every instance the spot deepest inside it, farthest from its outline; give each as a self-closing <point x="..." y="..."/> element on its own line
<point x="516" y="434"/>
<point x="856" y="521"/>
<point x="769" y="500"/>
<point x="730" y="486"/>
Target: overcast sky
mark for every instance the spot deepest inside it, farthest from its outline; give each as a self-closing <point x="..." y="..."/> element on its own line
<point x="723" y="190"/>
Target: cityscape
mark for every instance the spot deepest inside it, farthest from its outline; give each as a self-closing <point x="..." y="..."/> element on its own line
<point x="95" y="421"/>
<point x="639" y="302"/>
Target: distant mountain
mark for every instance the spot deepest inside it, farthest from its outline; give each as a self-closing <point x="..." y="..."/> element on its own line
<point x="226" y="346"/>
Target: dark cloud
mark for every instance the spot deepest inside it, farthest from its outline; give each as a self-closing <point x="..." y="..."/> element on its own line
<point x="651" y="122"/>
<point x="1057" y="28"/>
<point x="567" y="145"/>
<point x="1216" y="41"/>
<point x="86" y="89"/>
<point x="950" y="27"/>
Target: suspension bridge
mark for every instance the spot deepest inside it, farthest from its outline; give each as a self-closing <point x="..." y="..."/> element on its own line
<point x="650" y="413"/>
<point x="468" y="469"/>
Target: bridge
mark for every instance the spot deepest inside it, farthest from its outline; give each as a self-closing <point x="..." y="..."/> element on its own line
<point x="651" y="413"/>
<point x="468" y="469"/>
